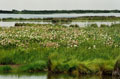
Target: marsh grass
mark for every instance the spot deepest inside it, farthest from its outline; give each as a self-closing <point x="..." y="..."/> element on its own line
<point x="34" y="67"/>
<point x="93" y="25"/>
<point x="103" y="25"/>
<point x="5" y="69"/>
<point x="77" y="50"/>
<point x="74" y="26"/>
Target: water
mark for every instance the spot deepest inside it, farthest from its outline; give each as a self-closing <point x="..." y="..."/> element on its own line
<point x="51" y="76"/>
<point x="56" y="15"/>
<point x="81" y="24"/>
<point x="25" y="76"/>
<point x="11" y="24"/>
<point x="99" y="23"/>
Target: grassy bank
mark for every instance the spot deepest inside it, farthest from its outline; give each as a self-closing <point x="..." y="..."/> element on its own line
<point x="59" y="49"/>
<point x="54" y="20"/>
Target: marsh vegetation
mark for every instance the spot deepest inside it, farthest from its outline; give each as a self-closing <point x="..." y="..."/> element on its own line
<point x="66" y="19"/>
<point x="59" y="49"/>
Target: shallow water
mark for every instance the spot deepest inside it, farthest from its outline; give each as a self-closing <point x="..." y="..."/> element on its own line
<point x="56" y="15"/>
<point x="99" y="23"/>
<point x="51" y="76"/>
<point x="10" y="24"/>
<point x="81" y="24"/>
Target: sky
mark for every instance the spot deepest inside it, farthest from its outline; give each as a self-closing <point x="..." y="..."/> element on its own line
<point x="59" y="4"/>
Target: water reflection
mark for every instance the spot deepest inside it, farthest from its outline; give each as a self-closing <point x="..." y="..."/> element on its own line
<point x="52" y="76"/>
<point x="24" y="76"/>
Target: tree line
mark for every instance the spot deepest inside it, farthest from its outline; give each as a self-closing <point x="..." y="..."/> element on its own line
<point x="57" y="11"/>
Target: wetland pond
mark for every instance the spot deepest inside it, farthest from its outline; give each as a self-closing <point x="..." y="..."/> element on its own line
<point x="62" y="15"/>
<point x="81" y="24"/>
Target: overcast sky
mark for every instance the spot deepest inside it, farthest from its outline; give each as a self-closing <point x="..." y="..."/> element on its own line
<point x="59" y="4"/>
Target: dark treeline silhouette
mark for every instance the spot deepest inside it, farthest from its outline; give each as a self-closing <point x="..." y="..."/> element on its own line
<point x="57" y="11"/>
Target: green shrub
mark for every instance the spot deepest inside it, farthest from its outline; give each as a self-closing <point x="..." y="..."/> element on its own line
<point x="94" y="25"/>
<point x="103" y="25"/>
<point x="25" y="24"/>
<point x="5" y="69"/>
<point x="0" y="28"/>
<point x="74" y="25"/>
<point x="115" y="25"/>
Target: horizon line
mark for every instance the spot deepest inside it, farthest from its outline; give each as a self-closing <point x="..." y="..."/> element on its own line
<point x="56" y="9"/>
